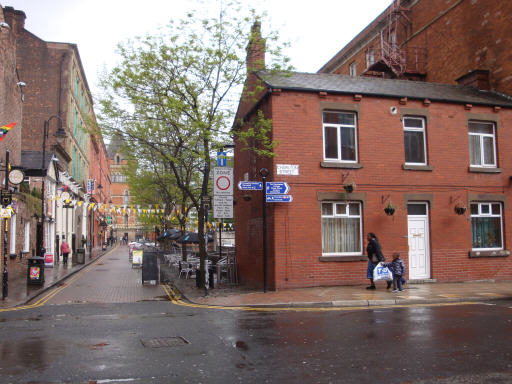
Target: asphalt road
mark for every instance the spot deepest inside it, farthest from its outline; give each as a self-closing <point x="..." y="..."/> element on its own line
<point x="76" y="338"/>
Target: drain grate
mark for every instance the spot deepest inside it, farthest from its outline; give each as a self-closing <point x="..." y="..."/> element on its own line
<point x="101" y="270"/>
<point x="160" y="342"/>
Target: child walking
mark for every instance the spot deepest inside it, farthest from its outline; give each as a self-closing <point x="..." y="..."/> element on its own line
<point x="397" y="266"/>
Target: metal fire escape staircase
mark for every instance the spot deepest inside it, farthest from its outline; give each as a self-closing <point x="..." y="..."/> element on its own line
<point x="391" y="57"/>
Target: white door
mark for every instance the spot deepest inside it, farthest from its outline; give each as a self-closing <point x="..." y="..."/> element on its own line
<point x="418" y="234"/>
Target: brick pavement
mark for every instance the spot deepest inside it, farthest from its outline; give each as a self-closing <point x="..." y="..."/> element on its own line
<point x="19" y="292"/>
<point x="110" y="280"/>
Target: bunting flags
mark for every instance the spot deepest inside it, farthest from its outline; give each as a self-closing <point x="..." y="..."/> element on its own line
<point x="4" y="129"/>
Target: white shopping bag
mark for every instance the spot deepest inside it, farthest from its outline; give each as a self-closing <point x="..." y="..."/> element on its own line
<point x="381" y="273"/>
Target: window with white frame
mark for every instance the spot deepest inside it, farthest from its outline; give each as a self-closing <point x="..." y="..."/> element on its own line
<point x="482" y="144"/>
<point x="352" y="69"/>
<point x="12" y="240"/>
<point x="340" y="136"/>
<point x="486" y="226"/>
<point x="414" y="140"/>
<point x="341" y="228"/>
<point x="370" y="57"/>
<point x="26" y="237"/>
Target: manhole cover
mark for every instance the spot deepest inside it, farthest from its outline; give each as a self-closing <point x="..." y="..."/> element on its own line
<point x="159" y="342"/>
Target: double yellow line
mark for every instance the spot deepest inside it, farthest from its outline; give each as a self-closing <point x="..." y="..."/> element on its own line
<point x="175" y="298"/>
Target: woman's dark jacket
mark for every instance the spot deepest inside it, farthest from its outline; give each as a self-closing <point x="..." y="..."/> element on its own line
<point x="374" y="248"/>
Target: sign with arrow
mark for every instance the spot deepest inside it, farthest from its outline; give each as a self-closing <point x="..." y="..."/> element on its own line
<point x="250" y="185"/>
<point x="279" y="198"/>
<point x="277" y="188"/>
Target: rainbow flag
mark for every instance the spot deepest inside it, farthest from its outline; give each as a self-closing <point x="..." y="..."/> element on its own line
<point x="4" y="129"/>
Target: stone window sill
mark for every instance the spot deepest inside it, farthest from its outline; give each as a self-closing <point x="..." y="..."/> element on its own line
<point x="500" y="253"/>
<point x="484" y="170"/>
<point x="409" y="167"/>
<point x="327" y="164"/>
<point x="343" y="258"/>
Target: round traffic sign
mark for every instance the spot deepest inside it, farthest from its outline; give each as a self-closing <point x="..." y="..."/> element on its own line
<point x="223" y="183"/>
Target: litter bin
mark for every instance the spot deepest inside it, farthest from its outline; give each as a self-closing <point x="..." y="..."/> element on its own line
<point x="211" y="282"/>
<point x="35" y="271"/>
<point x="150" y="268"/>
<point x="80" y="256"/>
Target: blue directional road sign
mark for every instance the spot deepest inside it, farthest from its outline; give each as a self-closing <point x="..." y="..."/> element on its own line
<point x="279" y="198"/>
<point x="277" y="188"/>
<point x="250" y="185"/>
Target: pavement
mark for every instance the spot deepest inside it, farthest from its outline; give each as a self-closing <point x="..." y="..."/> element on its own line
<point x="342" y="296"/>
<point x="237" y="296"/>
<point x="20" y="293"/>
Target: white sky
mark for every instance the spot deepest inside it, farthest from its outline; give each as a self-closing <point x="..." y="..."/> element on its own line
<point x="317" y="30"/>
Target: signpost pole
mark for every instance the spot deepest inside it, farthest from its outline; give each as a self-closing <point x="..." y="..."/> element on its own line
<point x="4" y="226"/>
<point x="264" y="174"/>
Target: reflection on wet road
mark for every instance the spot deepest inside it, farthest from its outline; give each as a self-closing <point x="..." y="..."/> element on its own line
<point x="157" y="342"/>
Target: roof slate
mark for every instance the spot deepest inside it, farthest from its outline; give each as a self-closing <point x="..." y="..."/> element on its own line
<point x="335" y="83"/>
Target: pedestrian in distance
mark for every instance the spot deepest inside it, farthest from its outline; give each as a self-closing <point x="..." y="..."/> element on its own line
<point x="64" y="249"/>
<point x="397" y="266"/>
<point x="375" y="256"/>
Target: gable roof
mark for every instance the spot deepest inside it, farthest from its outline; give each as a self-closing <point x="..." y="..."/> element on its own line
<point x="371" y="86"/>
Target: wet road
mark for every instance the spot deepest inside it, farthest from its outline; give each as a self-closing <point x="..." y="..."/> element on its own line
<point x="146" y="341"/>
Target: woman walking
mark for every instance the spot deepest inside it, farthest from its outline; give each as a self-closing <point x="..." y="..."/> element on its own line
<point x="375" y="256"/>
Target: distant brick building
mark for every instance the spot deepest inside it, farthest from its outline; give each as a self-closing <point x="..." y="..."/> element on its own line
<point x="424" y="166"/>
<point x="124" y="219"/>
<point x="433" y="40"/>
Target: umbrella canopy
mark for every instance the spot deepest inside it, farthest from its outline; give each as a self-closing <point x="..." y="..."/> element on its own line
<point x="171" y="234"/>
<point x="191" y="237"/>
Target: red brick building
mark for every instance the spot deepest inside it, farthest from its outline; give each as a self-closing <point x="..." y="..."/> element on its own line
<point x="56" y="93"/>
<point x="424" y="166"/>
<point x="433" y="40"/>
<point x="21" y="227"/>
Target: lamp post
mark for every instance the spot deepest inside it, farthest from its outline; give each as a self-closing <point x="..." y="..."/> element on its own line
<point x="60" y="135"/>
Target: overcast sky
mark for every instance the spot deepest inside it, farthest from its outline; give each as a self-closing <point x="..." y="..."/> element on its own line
<point x="316" y="30"/>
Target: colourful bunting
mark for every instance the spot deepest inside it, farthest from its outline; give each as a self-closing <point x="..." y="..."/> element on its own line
<point x="4" y="129"/>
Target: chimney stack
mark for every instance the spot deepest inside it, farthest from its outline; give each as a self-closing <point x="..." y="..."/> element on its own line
<point x="255" y="49"/>
<point x="15" y="19"/>
<point x="478" y="78"/>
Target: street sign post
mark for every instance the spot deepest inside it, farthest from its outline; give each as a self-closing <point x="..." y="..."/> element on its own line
<point x="250" y="185"/>
<point x="279" y="198"/>
<point x="277" y="188"/>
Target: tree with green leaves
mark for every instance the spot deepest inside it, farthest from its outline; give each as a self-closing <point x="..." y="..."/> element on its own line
<point x="172" y="98"/>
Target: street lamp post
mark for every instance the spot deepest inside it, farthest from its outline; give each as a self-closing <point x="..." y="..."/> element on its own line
<point x="60" y="135"/>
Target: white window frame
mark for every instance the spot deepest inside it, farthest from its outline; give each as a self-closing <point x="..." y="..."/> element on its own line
<point x="416" y="129"/>
<point x="352" y="69"/>
<point x="338" y="127"/>
<point x="481" y="137"/>
<point x="346" y="215"/>
<point x="370" y="57"/>
<point x="12" y="235"/>
<point x="489" y="214"/>
<point x="26" y="237"/>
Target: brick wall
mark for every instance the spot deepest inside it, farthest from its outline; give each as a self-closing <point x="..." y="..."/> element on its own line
<point x="294" y="229"/>
<point x="459" y="36"/>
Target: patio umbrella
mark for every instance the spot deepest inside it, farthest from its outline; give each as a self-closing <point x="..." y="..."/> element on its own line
<point x="171" y="234"/>
<point x="191" y="237"/>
